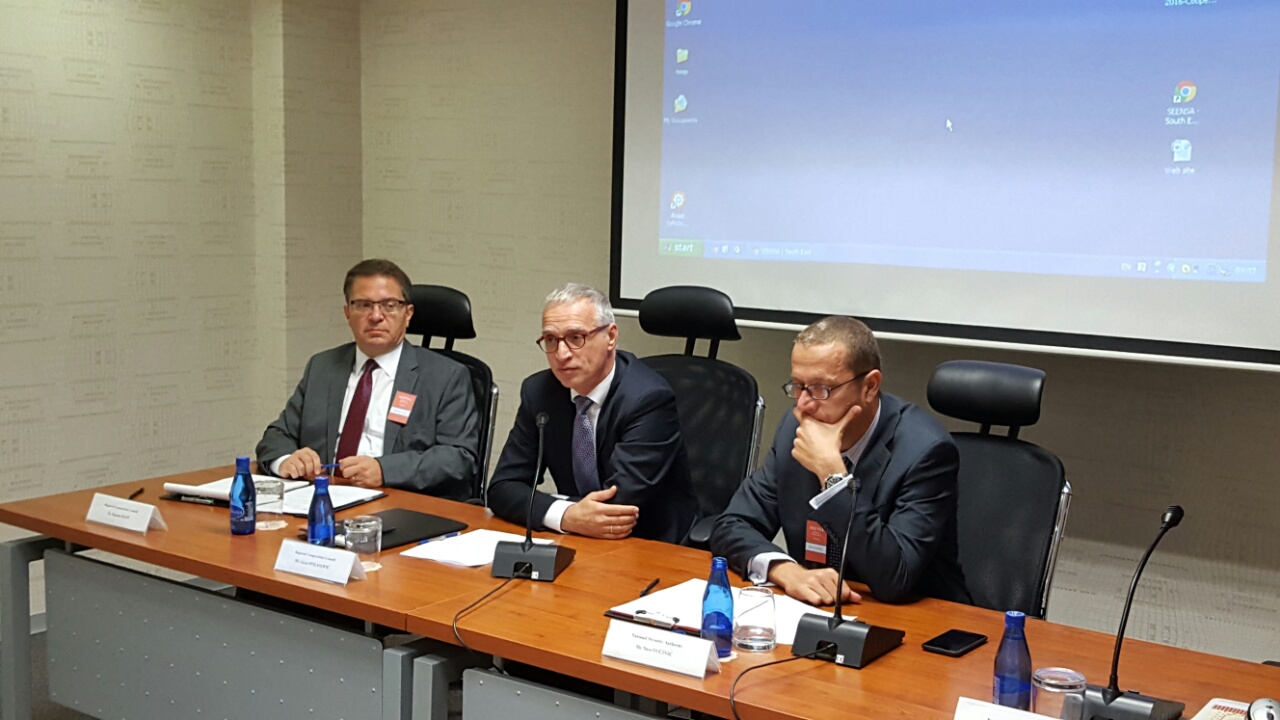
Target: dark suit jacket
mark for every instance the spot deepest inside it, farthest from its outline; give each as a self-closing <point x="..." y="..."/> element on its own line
<point x="903" y="543"/>
<point x="639" y="448"/>
<point x="434" y="452"/>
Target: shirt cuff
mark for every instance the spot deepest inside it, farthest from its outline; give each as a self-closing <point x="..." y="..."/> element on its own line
<point x="758" y="567"/>
<point x="555" y="514"/>
<point x="274" y="467"/>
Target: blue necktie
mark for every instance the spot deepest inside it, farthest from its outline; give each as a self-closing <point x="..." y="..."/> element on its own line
<point x="584" y="448"/>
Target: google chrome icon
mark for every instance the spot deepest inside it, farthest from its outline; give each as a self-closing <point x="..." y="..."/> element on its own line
<point x="1185" y="93"/>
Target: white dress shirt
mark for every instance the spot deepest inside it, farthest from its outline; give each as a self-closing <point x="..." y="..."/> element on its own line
<point x="375" y="420"/>
<point x="758" y="567"/>
<point x="555" y="513"/>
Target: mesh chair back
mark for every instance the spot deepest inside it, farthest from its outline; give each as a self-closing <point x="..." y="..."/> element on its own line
<point x="717" y="404"/>
<point x="1007" y="514"/>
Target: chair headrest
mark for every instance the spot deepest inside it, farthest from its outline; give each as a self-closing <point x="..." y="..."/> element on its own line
<point x="440" y="311"/>
<point x="688" y="311"/>
<point x="987" y="393"/>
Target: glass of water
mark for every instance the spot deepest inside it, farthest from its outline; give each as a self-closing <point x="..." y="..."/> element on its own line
<point x="1058" y="693"/>
<point x="364" y="538"/>
<point x="270" y="492"/>
<point x="754" y="626"/>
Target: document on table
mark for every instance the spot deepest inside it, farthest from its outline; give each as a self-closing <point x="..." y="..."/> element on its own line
<point x="221" y="489"/>
<point x="683" y="604"/>
<point x="298" y="502"/>
<point x="471" y="549"/>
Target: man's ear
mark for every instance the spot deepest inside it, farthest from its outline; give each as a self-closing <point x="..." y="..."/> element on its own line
<point x="871" y="386"/>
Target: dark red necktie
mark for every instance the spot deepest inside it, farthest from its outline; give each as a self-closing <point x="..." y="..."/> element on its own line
<point x="353" y="428"/>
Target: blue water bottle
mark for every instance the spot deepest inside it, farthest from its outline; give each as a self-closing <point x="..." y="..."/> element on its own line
<point x="717" y="608"/>
<point x="320" y="515"/>
<point x="244" y="500"/>
<point x="1012" y="684"/>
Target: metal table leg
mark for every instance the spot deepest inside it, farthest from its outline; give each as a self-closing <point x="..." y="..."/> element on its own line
<point x="16" y="557"/>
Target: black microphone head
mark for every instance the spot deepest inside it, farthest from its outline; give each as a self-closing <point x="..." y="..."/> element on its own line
<point x="1172" y="516"/>
<point x="541" y="420"/>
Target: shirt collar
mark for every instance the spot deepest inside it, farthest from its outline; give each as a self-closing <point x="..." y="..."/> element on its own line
<point x="388" y="362"/>
<point x="855" y="452"/>
<point x="601" y="391"/>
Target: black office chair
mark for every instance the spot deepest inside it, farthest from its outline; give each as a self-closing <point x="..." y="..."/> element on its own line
<point x="440" y="311"/>
<point x="1013" y="495"/>
<point x="719" y="403"/>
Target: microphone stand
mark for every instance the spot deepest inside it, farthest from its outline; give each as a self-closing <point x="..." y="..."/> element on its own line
<point x="849" y="643"/>
<point x="527" y="559"/>
<point x="1109" y="703"/>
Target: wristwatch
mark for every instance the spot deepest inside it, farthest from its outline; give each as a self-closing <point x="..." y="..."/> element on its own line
<point x="836" y="479"/>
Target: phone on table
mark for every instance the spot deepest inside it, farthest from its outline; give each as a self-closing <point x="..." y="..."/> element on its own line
<point x="955" y="643"/>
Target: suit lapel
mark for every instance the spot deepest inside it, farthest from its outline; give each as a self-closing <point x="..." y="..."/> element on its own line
<point x="406" y="381"/>
<point x="609" y="410"/>
<point x="337" y="390"/>
<point x="875" y="459"/>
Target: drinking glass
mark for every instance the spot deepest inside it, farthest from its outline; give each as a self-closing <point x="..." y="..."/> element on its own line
<point x="1058" y="692"/>
<point x="364" y="538"/>
<point x="270" y="492"/>
<point x="754" y="626"/>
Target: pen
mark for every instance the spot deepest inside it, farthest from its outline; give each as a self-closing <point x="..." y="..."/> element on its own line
<point x="649" y="587"/>
<point x="136" y="493"/>
<point x="440" y="537"/>
<point x="196" y="499"/>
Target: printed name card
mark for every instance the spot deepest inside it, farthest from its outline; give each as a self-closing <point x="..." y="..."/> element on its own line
<point x="127" y="514"/>
<point x="970" y="709"/>
<point x="661" y="649"/>
<point x="316" y="561"/>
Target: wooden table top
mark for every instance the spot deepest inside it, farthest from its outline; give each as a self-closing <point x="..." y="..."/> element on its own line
<point x="560" y="625"/>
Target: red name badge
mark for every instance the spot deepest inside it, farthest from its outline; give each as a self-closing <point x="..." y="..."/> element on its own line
<point x="815" y="542"/>
<point x="401" y="406"/>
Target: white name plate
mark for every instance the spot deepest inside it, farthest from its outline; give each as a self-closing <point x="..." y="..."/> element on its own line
<point x="319" y="562"/>
<point x="970" y="709"/>
<point x="661" y="649"/>
<point x="127" y="514"/>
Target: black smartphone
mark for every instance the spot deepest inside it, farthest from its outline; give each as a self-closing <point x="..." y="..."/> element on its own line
<point x="955" y="642"/>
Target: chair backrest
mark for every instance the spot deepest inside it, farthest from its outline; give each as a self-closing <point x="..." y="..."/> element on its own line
<point x="1013" y="495"/>
<point x="443" y="312"/>
<point x="719" y="403"/>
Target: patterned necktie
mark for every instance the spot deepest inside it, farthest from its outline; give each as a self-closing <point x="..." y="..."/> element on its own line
<point x="584" y="448"/>
<point x="353" y="427"/>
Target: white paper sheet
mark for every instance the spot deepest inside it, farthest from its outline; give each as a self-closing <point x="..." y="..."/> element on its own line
<point x="221" y="489"/>
<point x="298" y="502"/>
<point x="471" y="549"/>
<point x="683" y="602"/>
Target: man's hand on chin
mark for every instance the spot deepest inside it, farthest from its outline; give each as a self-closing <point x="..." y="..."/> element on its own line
<point x="365" y="472"/>
<point x="817" y="445"/>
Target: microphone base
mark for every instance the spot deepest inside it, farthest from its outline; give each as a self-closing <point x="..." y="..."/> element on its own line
<point x="851" y="643"/>
<point x="539" y="562"/>
<point x="1099" y="703"/>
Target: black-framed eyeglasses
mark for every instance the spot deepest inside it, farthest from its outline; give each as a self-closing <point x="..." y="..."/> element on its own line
<point x="818" y="392"/>
<point x="388" y="307"/>
<point x="551" y="343"/>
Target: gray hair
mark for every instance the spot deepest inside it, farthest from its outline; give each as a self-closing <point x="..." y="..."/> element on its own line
<point x="573" y="292"/>
<point x="862" y="352"/>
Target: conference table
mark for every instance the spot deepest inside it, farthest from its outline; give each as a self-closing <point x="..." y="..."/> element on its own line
<point x="560" y="626"/>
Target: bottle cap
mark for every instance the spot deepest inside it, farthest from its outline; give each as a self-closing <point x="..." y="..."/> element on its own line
<point x="242" y="464"/>
<point x="719" y="563"/>
<point x="1015" y="619"/>
<point x="322" y="482"/>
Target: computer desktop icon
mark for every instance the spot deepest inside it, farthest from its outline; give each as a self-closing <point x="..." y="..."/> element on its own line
<point x="681" y="104"/>
<point x="1181" y="150"/>
<point x="1184" y="93"/>
<point x="682" y="55"/>
<point x="684" y="8"/>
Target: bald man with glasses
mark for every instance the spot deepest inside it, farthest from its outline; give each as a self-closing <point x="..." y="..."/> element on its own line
<point x="384" y="411"/>
<point x="613" y="442"/>
<point x="845" y="433"/>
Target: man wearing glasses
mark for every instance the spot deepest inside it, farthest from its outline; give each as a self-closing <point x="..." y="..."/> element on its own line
<point x="384" y="411"/>
<point x="613" y="442"/>
<point x="845" y="434"/>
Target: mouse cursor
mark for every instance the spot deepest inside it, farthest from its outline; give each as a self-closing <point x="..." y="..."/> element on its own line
<point x="949" y="128"/>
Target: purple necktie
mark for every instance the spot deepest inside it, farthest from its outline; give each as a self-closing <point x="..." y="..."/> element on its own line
<point x="584" y="448"/>
<point x="353" y="428"/>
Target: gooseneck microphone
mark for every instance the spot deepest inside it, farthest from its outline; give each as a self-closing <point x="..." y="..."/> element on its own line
<point x="849" y="643"/>
<point x="526" y="559"/>
<point x="1109" y="703"/>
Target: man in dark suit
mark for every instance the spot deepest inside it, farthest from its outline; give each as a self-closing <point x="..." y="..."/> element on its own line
<point x="387" y="412"/>
<point x="613" y="441"/>
<point x="845" y="432"/>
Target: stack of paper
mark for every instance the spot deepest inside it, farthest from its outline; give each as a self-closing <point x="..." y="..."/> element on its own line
<point x="471" y="549"/>
<point x="221" y="489"/>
